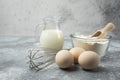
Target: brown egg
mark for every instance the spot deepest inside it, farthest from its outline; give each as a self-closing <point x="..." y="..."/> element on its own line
<point x="76" y="53"/>
<point x="89" y="60"/>
<point x="64" y="59"/>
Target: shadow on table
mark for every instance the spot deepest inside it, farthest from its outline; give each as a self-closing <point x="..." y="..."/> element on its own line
<point x="73" y="68"/>
<point x="78" y="68"/>
<point x="97" y="70"/>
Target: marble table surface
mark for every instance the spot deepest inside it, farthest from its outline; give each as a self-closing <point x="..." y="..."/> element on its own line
<point x="13" y="66"/>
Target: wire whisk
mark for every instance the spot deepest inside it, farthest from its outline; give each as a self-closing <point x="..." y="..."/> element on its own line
<point x="40" y="58"/>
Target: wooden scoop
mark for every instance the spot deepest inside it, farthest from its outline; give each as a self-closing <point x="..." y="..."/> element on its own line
<point x="103" y="32"/>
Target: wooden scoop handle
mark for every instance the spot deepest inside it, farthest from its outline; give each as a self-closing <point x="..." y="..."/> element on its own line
<point x="108" y="27"/>
<point x="102" y="32"/>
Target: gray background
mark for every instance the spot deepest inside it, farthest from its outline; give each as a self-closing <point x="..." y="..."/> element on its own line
<point x="20" y="17"/>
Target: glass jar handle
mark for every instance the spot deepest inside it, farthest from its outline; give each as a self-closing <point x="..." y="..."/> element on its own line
<point x="37" y="32"/>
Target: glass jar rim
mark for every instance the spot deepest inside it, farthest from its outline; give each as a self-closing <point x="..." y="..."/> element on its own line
<point x="77" y="36"/>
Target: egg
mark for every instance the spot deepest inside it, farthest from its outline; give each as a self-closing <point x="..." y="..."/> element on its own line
<point x="64" y="59"/>
<point x="89" y="60"/>
<point x="76" y="53"/>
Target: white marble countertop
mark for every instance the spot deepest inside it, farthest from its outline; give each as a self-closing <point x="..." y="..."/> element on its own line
<point x="13" y="66"/>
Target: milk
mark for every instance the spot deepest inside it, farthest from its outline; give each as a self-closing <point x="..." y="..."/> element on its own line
<point x="52" y="39"/>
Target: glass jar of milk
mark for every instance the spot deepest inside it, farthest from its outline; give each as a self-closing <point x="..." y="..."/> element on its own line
<point x="51" y="37"/>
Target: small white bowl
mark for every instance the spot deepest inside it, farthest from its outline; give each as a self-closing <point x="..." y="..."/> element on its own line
<point x="100" y="46"/>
